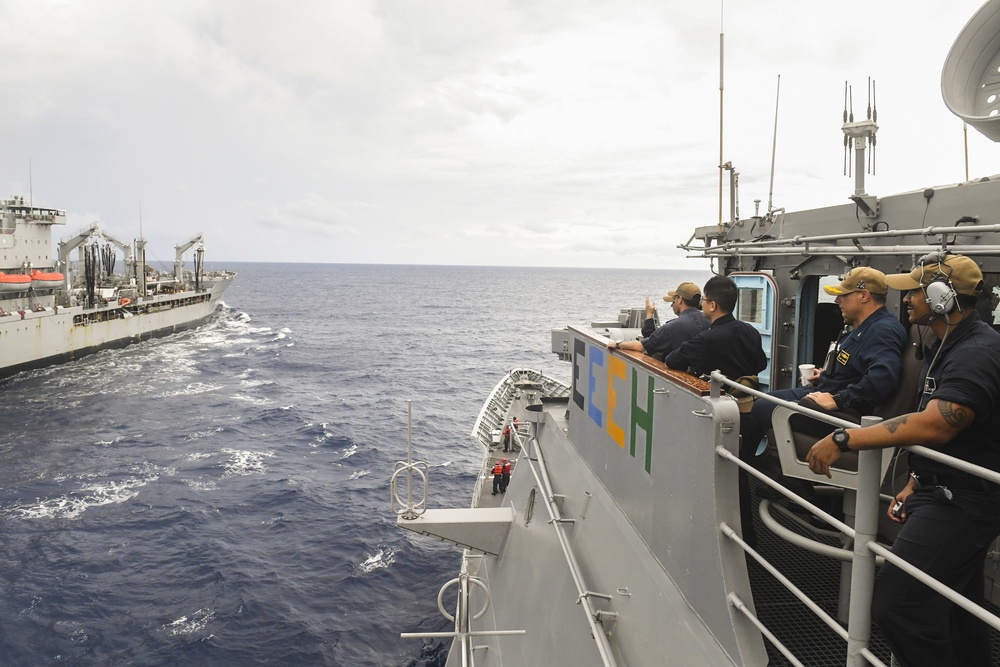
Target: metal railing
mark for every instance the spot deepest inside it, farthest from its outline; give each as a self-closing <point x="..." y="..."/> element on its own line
<point x="408" y="509"/>
<point x="536" y="463"/>
<point x="863" y="533"/>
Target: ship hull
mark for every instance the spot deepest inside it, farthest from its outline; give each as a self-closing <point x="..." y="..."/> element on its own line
<point x="32" y="340"/>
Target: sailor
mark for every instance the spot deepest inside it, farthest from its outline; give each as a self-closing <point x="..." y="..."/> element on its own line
<point x="497" y="477"/>
<point x="949" y="517"/>
<point x="506" y="438"/>
<point x="505" y="480"/>
<point x="727" y="345"/>
<point x="861" y="373"/>
<point x="685" y="301"/>
<point x="864" y="370"/>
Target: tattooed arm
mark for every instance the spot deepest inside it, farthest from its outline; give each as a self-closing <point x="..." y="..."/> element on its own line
<point x="939" y="423"/>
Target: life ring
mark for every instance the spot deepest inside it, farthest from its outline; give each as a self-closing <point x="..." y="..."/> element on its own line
<point x="124" y="301"/>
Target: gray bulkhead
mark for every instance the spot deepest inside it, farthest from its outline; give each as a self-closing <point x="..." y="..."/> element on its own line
<point x="640" y="492"/>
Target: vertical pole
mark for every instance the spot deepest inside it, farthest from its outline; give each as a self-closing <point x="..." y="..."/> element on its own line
<point x="860" y="144"/>
<point x="774" y="148"/>
<point x="965" y="131"/>
<point x="846" y="567"/>
<point x="866" y="527"/>
<point x="722" y="87"/>
<point x="409" y="456"/>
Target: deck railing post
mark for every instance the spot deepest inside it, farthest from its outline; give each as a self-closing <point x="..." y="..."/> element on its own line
<point x="866" y="529"/>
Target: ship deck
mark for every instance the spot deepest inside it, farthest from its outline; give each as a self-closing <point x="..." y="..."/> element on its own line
<point x="802" y="632"/>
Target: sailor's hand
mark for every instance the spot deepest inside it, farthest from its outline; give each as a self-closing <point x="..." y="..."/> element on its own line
<point x="899" y="516"/>
<point x="822" y="455"/>
<point x="823" y="400"/>
<point x="814" y="376"/>
<point x="650" y="308"/>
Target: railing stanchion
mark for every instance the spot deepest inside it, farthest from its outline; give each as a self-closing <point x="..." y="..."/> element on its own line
<point x="863" y="570"/>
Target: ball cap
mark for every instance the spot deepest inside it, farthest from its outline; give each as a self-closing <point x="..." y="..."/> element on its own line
<point x="963" y="273"/>
<point x="685" y="290"/>
<point x="860" y="278"/>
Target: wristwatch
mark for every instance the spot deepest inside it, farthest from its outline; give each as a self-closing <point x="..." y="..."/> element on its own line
<point x="841" y="439"/>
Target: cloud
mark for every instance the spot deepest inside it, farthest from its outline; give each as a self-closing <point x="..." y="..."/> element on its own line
<point x="312" y="215"/>
<point x="494" y="132"/>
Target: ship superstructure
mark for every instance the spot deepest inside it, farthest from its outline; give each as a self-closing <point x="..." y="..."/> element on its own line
<point x="618" y="541"/>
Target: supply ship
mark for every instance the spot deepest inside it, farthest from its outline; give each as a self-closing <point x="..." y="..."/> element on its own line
<point x="618" y="540"/>
<point x="57" y="308"/>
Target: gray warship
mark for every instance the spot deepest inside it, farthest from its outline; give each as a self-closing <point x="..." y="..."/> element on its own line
<point x="618" y="541"/>
<point x="55" y="309"/>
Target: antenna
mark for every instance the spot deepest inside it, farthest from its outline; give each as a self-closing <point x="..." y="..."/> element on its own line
<point x="774" y="146"/>
<point x="847" y="140"/>
<point x="872" y="116"/>
<point x="859" y="134"/>
<point x="965" y="132"/>
<point x="722" y="87"/>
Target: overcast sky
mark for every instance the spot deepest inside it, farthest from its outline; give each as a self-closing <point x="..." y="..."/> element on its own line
<point x="505" y="132"/>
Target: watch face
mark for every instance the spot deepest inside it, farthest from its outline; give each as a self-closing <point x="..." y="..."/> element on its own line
<point x="840" y="437"/>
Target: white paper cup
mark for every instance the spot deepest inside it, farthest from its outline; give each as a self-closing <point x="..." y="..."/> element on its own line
<point x="805" y="372"/>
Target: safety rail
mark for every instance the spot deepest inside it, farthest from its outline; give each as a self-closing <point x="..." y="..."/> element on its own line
<point x="497" y="405"/>
<point x="863" y="534"/>
<point x="463" y="616"/>
<point x="801" y="244"/>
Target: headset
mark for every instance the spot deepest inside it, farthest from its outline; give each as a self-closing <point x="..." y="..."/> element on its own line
<point x="942" y="300"/>
<point x="940" y="293"/>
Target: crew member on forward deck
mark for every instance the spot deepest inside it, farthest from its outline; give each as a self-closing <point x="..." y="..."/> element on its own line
<point x="949" y="517"/>
<point x="685" y="301"/>
<point x="728" y="345"/>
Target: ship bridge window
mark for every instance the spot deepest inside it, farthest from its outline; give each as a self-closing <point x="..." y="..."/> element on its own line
<point x="751" y="305"/>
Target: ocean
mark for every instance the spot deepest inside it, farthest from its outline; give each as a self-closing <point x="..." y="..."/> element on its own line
<point x="221" y="496"/>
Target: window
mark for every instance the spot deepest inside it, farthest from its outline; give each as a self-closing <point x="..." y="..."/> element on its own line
<point x="751" y="305"/>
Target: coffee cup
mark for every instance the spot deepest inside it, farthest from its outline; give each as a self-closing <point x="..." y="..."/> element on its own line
<point x="805" y="372"/>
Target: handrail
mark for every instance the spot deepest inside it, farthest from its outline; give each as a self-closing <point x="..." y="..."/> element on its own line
<point x="542" y="479"/>
<point x="964" y="230"/>
<point x="776" y="245"/>
<point x="866" y="548"/>
<point x="923" y="450"/>
<point x="751" y="250"/>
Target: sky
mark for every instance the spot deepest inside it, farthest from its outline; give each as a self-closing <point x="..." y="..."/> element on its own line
<point x="475" y="132"/>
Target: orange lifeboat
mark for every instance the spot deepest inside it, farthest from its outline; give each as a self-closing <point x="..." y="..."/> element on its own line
<point x="42" y="280"/>
<point x="14" y="282"/>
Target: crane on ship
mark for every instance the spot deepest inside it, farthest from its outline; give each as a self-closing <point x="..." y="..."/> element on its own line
<point x="85" y="234"/>
<point x="198" y="260"/>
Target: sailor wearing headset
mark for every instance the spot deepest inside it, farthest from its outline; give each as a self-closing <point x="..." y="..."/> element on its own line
<point x="949" y="517"/>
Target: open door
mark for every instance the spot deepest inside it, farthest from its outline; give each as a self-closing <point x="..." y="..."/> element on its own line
<point x="758" y="294"/>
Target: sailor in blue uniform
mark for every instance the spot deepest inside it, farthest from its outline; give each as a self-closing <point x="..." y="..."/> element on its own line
<point x="728" y="345"/>
<point x="685" y="302"/>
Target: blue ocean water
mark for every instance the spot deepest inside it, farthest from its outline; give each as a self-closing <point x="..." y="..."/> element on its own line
<point x="221" y="496"/>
